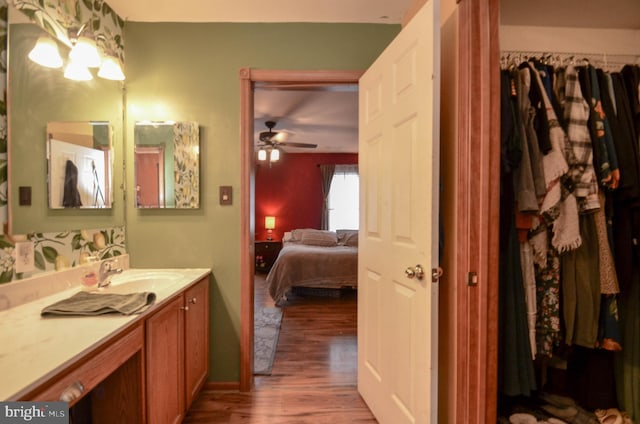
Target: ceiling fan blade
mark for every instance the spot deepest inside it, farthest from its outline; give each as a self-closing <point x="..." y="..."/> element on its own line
<point x="266" y="136"/>
<point x="291" y="144"/>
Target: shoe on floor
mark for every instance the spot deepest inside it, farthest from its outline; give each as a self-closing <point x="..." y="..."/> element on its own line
<point x="566" y="413"/>
<point x="521" y="418"/>
<point x="609" y="416"/>
<point x="557" y="400"/>
<point x="553" y="420"/>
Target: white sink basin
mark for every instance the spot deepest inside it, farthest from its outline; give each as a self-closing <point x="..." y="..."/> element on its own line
<point x="132" y="281"/>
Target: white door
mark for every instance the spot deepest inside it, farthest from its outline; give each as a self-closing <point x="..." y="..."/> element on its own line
<point x="398" y="165"/>
<point x="91" y="178"/>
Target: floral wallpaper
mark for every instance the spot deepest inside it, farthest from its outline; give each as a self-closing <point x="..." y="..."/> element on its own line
<point x="57" y="251"/>
<point x="59" y="17"/>
<point x="3" y="112"/>
<point x="186" y="143"/>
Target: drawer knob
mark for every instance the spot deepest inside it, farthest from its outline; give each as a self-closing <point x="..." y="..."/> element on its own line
<point x="184" y="308"/>
<point x="193" y="300"/>
<point x="73" y="392"/>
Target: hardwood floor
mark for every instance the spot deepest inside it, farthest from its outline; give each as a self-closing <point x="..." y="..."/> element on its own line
<point x="314" y="374"/>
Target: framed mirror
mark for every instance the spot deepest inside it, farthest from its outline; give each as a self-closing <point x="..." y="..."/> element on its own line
<point x="167" y="164"/>
<point x="79" y="164"/>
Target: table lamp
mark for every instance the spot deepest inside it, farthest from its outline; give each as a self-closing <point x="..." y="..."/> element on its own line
<point x="269" y="224"/>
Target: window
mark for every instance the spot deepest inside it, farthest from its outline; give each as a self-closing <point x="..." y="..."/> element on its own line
<point x="344" y="198"/>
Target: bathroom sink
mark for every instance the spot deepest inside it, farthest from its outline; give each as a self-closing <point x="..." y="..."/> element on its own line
<point x="131" y="281"/>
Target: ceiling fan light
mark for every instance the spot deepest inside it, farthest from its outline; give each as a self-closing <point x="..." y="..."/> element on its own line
<point x="262" y="155"/>
<point x="274" y="156"/>
<point x="45" y="53"/>
<point x="85" y="51"/>
<point x="111" y="70"/>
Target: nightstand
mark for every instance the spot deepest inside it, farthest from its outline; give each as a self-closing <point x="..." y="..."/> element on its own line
<point x="266" y="253"/>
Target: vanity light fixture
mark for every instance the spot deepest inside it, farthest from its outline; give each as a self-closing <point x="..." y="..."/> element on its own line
<point x="84" y="49"/>
<point x="111" y="69"/>
<point x="46" y="53"/>
<point x="85" y="52"/>
<point x="77" y="72"/>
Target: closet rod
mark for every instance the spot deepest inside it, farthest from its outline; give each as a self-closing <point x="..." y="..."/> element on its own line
<point x="599" y="58"/>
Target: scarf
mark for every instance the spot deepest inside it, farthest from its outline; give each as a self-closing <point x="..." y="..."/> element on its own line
<point x="559" y="209"/>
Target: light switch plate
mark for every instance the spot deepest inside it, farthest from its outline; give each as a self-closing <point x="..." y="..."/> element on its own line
<point x="24" y="251"/>
<point x="226" y="195"/>
<point x="24" y="196"/>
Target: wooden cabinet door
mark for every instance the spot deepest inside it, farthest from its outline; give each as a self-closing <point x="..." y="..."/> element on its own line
<point x="165" y="359"/>
<point x="196" y="338"/>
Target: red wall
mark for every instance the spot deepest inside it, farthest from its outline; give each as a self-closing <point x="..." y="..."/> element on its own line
<point x="291" y="190"/>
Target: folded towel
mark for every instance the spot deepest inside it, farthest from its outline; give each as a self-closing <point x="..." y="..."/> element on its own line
<point x="88" y="304"/>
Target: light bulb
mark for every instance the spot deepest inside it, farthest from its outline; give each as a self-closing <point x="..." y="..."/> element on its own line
<point x="85" y="51"/>
<point x="262" y="154"/>
<point x="110" y="69"/>
<point x="275" y="155"/>
<point x="77" y="72"/>
<point x="46" y="53"/>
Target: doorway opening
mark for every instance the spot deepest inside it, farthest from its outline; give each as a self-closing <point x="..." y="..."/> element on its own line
<point x="249" y="78"/>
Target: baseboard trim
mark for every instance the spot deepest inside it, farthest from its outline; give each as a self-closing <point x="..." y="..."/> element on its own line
<point x="222" y="385"/>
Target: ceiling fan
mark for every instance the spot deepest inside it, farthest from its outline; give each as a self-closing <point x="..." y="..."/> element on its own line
<point x="274" y="139"/>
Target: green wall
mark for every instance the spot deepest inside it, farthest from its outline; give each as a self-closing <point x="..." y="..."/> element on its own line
<point x="189" y="72"/>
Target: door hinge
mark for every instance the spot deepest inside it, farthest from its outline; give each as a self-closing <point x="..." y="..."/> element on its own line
<point x="436" y="273"/>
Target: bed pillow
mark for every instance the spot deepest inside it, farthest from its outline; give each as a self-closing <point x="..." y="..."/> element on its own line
<point x="319" y="238"/>
<point x="347" y="237"/>
<point x="296" y="235"/>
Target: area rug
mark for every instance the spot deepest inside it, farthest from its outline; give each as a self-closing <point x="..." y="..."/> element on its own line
<point x="265" y="338"/>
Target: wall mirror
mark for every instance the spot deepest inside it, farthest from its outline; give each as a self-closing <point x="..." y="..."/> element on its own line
<point x="38" y="96"/>
<point x="79" y="159"/>
<point x="167" y="164"/>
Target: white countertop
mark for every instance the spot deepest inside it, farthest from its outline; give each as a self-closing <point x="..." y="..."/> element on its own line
<point x="33" y="349"/>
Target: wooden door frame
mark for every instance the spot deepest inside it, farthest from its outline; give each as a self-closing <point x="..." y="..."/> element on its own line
<point x="478" y="211"/>
<point x="476" y="214"/>
<point x="248" y="79"/>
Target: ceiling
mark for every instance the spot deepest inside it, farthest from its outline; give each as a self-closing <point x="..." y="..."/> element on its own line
<point x="329" y="117"/>
<point x="372" y="11"/>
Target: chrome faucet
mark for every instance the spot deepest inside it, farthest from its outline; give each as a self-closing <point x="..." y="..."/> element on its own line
<point x="106" y="271"/>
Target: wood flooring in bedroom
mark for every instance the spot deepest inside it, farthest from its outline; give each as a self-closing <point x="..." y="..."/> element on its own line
<point x="314" y="375"/>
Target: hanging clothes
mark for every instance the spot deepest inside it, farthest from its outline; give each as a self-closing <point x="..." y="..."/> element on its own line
<point x="580" y="152"/>
<point x="604" y="155"/>
<point x="516" y="375"/>
<point x="571" y="183"/>
<point x="71" y="195"/>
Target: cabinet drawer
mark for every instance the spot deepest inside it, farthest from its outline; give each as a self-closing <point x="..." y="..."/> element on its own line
<point x="89" y="373"/>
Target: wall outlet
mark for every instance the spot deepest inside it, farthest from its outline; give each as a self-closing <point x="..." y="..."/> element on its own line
<point x="24" y="253"/>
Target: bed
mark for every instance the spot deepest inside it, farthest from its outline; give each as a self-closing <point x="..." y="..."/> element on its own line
<point x="316" y="259"/>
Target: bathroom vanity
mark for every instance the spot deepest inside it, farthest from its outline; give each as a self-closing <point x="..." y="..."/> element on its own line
<point x="144" y="368"/>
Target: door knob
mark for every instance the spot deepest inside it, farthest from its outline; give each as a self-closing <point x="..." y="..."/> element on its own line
<point x="415" y="272"/>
